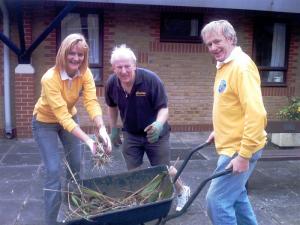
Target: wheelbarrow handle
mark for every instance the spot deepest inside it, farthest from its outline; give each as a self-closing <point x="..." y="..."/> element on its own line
<point x="184" y="163"/>
<point x="195" y="194"/>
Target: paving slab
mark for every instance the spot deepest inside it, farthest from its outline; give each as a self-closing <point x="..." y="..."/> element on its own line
<point x="9" y="211"/>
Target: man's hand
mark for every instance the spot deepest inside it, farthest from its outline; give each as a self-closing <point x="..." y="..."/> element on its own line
<point x="210" y="138"/>
<point x="153" y="131"/>
<point x="92" y="145"/>
<point x="106" y="140"/>
<point x="115" y="136"/>
<point x="238" y="164"/>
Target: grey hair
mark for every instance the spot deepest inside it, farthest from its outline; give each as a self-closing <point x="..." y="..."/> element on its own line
<point x="220" y="25"/>
<point x="122" y="52"/>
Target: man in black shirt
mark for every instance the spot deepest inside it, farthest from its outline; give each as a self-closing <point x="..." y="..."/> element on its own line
<point x="140" y="97"/>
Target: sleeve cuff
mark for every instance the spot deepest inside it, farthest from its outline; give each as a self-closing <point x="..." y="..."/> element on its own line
<point x="245" y="153"/>
<point x="69" y="127"/>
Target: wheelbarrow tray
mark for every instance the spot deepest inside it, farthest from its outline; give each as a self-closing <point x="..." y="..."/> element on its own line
<point x="118" y="186"/>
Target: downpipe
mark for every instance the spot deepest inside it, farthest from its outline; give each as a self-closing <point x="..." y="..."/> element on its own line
<point x="8" y="132"/>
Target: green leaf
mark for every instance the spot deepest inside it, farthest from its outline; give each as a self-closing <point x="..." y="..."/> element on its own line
<point x="153" y="185"/>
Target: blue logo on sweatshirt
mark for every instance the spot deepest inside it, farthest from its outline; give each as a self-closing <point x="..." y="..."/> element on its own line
<point x="222" y="86"/>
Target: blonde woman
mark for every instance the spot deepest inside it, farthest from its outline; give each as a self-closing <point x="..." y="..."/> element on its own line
<point x="54" y="117"/>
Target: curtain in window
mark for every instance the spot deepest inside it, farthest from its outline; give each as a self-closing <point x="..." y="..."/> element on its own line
<point x="93" y="31"/>
<point x="278" y="52"/>
<point x="88" y="25"/>
<point x="70" y="24"/>
<point x="93" y="34"/>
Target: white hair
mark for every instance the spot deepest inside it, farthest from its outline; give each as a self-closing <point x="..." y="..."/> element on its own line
<point x="122" y="52"/>
<point x="220" y="25"/>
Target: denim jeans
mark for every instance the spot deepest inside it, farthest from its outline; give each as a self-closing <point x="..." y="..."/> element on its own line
<point x="46" y="135"/>
<point x="227" y="199"/>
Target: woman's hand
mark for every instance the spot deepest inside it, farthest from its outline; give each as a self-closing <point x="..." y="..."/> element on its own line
<point x="92" y="145"/>
<point x="105" y="138"/>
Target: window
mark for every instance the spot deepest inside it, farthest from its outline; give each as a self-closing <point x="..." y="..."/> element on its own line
<point x="91" y="26"/>
<point x="270" y="52"/>
<point x="180" y="27"/>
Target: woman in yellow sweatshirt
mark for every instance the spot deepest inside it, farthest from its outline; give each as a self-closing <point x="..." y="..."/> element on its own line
<point x="54" y="117"/>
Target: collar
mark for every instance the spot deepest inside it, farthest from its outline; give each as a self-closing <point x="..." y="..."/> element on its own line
<point x="65" y="76"/>
<point x="138" y="76"/>
<point x="233" y="55"/>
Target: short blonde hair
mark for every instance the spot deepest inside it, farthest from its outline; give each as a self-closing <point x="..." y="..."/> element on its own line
<point x="122" y="52"/>
<point x="220" y="25"/>
<point x="65" y="47"/>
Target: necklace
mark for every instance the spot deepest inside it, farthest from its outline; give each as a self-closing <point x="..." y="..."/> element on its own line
<point x="125" y="92"/>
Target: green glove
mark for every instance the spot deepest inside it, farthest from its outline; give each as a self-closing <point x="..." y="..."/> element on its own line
<point x="153" y="131"/>
<point x="115" y="136"/>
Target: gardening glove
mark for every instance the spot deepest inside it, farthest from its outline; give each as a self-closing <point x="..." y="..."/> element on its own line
<point x="153" y="131"/>
<point x="92" y="145"/>
<point x="105" y="138"/>
<point x="115" y="136"/>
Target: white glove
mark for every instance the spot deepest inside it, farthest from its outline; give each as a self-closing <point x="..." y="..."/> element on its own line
<point x="106" y="140"/>
<point x="92" y="145"/>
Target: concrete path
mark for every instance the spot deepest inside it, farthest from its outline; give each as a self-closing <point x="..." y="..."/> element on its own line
<point x="274" y="188"/>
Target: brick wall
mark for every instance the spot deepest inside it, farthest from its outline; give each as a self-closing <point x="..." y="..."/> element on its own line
<point x="186" y="69"/>
<point x="24" y="103"/>
<point x="294" y="64"/>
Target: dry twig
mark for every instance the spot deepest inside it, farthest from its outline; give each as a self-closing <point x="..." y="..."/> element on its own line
<point x="100" y="158"/>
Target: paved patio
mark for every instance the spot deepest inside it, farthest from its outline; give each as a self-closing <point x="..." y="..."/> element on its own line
<point x="274" y="188"/>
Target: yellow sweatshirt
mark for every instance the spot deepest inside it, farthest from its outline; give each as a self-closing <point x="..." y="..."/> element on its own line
<point x="58" y="98"/>
<point x="239" y="116"/>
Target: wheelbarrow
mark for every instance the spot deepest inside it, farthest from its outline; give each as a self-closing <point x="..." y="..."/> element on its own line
<point x="114" y="186"/>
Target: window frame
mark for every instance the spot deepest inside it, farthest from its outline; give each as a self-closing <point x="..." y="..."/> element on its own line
<point x="262" y="22"/>
<point x="83" y="16"/>
<point x="184" y="39"/>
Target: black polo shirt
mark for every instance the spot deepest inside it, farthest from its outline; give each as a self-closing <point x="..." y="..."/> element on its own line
<point x="139" y="108"/>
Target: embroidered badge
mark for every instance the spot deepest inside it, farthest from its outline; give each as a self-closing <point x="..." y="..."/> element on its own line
<point x="222" y="86"/>
<point x="140" y="93"/>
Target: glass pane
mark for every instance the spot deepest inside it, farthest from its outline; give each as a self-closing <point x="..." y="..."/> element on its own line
<point x="89" y="26"/>
<point x="93" y="31"/>
<point x="278" y="45"/>
<point x="70" y="24"/>
<point x="97" y="73"/>
<point x="180" y="27"/>
<point x="270" y="47"/>
<point x="194" y="27"/>
<point x="263" y="44"/>
<point x="177" y="27"/>
<point x="272" y="76"/>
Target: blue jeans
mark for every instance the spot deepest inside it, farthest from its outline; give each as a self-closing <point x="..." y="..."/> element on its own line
<point x="227" y="199"/>
<point x="46" y="135"/>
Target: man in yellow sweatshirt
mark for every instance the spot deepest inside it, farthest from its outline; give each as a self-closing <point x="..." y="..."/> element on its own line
<point x="239" y="120"/>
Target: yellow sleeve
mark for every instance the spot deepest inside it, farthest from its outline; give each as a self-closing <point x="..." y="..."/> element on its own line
<point x="52" y="90"/>
<point x="255" y="117"/>
<point x="90" y="100"/>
